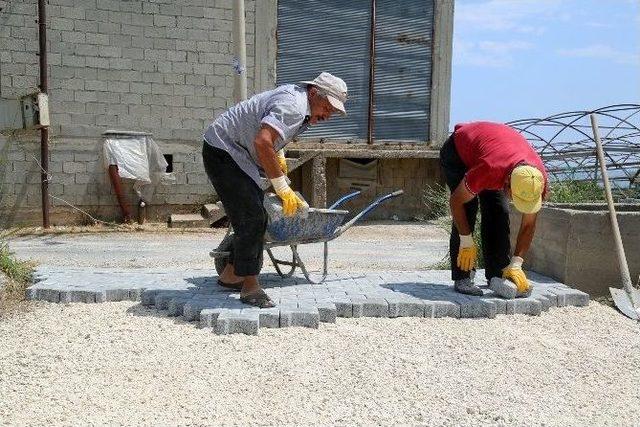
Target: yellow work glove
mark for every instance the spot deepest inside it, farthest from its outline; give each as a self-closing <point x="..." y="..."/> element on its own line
<point x="282" y="161"/>
<point x="514" y="273"/>
<point x="290" y="200"/>
<point x="467" y="253"/>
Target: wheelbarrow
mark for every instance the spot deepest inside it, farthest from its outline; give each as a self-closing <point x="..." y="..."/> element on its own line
<point x="320" y="226"/>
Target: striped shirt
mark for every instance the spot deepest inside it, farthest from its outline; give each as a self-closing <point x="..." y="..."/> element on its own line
<point x="285" y="109"/>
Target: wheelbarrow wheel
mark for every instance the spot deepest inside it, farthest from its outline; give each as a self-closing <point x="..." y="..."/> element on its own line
<point x="225" y="246"/>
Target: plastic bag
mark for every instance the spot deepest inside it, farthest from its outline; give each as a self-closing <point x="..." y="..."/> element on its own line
<point x="139" y="158"/>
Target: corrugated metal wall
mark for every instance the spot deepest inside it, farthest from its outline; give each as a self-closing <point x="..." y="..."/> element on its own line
<point x="334" y="36"/>
<point x="402" y="81"/>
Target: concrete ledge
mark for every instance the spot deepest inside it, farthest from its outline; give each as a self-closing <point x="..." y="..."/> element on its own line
<point x="574" y="245"/>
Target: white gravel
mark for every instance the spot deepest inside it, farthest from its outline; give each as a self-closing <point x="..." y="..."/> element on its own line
<point x="120" y="364"/>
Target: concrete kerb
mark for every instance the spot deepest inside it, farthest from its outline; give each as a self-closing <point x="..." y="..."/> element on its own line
<point x="194" y="296"/>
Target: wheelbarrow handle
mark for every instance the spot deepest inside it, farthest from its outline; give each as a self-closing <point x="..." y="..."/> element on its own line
<point x="343" y="199"/>
<point x="367" y="210"/>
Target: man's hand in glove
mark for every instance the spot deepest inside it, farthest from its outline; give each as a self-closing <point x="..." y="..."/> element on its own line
<point x="514" y="273"/>
<point x="467" y="253"/>
<point x="290" y="200"/>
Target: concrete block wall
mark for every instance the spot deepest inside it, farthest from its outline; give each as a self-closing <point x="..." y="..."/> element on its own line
<point x="161" y="66"/>
<point x="78" y="177"/>
<point x="576" y="247"/>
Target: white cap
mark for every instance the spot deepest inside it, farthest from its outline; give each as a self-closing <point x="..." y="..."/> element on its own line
<point x="334" y="87"/>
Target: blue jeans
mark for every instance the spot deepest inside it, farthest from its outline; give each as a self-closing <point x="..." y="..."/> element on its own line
<point x="243" y="204"/>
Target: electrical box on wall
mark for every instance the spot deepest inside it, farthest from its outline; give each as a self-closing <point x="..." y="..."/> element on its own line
<point x="43" y="109"/>
<point x="27" y="112"/>
<point x="35" y="110"/>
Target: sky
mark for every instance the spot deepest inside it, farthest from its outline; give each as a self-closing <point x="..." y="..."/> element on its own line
<point x="516" y="59"/>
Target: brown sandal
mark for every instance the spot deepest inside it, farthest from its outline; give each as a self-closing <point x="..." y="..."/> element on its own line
<point x="258" y="299"/>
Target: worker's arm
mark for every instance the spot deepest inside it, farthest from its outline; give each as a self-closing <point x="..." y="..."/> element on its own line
<point x="467" y="251"/>
<point x="525" y="234"/>
<point x="459" y="197"/>
<point x="514" y="271"/>
<point x="264" y="143"/>
<point x="268" y="158"/>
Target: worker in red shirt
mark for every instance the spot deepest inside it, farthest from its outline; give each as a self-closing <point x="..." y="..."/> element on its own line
<point x="494" y="163"/>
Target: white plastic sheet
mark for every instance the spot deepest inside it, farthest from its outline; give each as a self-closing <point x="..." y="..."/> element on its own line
<point x="139" y="158"/>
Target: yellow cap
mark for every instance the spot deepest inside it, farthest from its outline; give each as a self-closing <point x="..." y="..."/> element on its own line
<point x="527" y="184"/>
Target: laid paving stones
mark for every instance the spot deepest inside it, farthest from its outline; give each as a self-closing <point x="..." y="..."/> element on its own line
<point x="195" y="296"/>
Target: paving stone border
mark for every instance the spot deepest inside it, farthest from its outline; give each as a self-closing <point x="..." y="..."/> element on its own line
<point x="195" y="296"/>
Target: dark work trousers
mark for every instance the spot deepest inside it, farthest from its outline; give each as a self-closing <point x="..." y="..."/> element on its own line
<point x="243" y="204"/>
<point x="494" y="210"/>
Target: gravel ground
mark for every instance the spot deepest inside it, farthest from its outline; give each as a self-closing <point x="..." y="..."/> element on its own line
<point x="118" y="363"/>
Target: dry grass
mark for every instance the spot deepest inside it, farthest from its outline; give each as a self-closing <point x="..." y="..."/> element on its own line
<point x="17" y="277"/>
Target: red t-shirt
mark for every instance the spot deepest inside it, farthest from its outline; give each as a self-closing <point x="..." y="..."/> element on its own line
<point x="491" y="151"/>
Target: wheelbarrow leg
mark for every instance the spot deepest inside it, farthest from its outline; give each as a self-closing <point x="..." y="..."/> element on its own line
<point x="298" y="261"/>
<point x="277" y="263"/>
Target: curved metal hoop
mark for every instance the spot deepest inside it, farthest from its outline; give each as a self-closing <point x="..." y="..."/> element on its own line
<point x="565" y="143"/>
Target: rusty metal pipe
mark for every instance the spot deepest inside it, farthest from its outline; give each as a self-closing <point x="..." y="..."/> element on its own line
<point x="114" y="176"/>
<point x="44" y="130"/>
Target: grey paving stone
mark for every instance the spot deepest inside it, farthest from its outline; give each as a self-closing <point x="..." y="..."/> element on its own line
<point x="528" y="305"/>
<point x="499" y="303"/>
<point x="135" y="294"/>
<point x="209" y="316"/>
<point x="545" y="303"/>
<point x="405" y="308"/>
<point x="193" y="307"/>
<point x="148" y="297"/>
<point x="194" y="295"/>
<point x="49" y="295"/>
<point x="244" y="322"/>
<point x="269" y="317"/>
<point x="114" y="295"/>
<point x="327" y="312"/>
<point x="570" y="296"/>
<point x="375" y="307"/>
<point x="77" y="296"/>
<point x="344" y="308"/>
<point x="429" y="309"/>
<point x="162" y="299"/>
<point x="308" y="318"/>
<point x="357" y="306"/>
<point x="476" y="307"/>
<point x="445" y="309"/>
<point x="176" y="305"/>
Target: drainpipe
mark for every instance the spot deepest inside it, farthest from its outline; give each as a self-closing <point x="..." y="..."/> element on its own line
<point x="44" y="130"/>
<point x="372" y="66"/>
<point x="240" y="51"/>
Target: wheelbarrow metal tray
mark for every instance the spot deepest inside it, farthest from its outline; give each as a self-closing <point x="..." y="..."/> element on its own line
<point x="319" y="226"/>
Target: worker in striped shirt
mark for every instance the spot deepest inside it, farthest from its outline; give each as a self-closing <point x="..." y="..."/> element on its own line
<point x="242" y="148"/>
